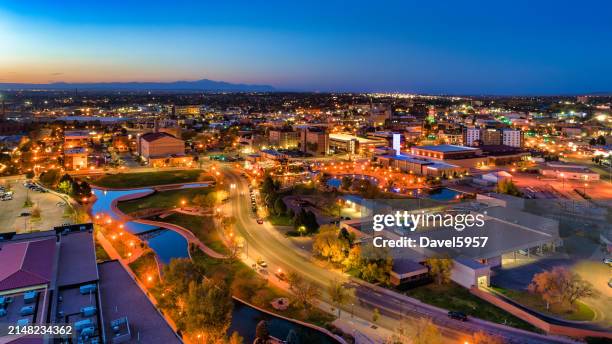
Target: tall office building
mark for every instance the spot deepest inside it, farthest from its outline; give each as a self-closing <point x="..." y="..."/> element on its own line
<point x="512" y="138"/>
<point x="470" y="136"/>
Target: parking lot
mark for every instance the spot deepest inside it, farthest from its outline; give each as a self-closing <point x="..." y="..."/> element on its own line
<point x="51" y="209"/>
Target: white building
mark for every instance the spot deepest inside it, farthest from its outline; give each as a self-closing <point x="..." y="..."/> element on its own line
<point x="471" y="135"/>
<point x="512" y="138"/>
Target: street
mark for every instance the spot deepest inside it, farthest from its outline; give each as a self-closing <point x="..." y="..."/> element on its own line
<point x="265" y="242"/>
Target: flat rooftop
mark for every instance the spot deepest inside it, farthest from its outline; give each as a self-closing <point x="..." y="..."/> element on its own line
<point x="446" y="148"/>
<point x="121" y="297"/>
<point x="77" y="259"/>
<point x="13" y="308"/>
<point x="417" y="159"/>
<point x="348" y="137"/>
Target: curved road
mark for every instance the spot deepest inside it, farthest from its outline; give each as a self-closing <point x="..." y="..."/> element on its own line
<point x="266" y="242"/>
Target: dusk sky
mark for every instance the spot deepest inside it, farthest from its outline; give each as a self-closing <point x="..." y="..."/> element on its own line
<point x="486" y="47"/>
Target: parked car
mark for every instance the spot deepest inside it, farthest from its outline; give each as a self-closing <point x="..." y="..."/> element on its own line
<point x="457" y="316"/>
<point x="262" y="263"/>
<point x="24" y="214"/>
<point x="608" y="260"/>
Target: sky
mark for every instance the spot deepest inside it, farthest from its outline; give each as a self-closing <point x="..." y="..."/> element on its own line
<point x="451" y="47"/>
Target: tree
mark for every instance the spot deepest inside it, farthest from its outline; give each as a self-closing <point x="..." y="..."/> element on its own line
<point x="338" y="294"/>
<point x="205" y="200"/>
<point x="65" y="187"/>
<point x="279" y="206"/>
<point x="601" y="140"/>
<point x="208" y="310"/>
<point x="440" y="269"/>
<point x="262" y="335"/>
<point x="508" y="187"/>
<point x="28" y="202"/>
<point x="560" y="285"/>
<point x="294" y="279"/>
<point x="375" y="315"/>
<point x="312" y="225"/>
<point x="329" y="245"/>
<point x="36" y="213"/>
<point x="306" y="219"/>
<point x="50" y="178"/>
<point x="426" y="332"/>
<point x="482" y="337"/>
<point x="177" y="276"/>
<point x="353" y="260"/>
<point x="268" y="186"/>
<point x="346" y="182"/>
<point x="292" y="338"/>
<point x="306" y="294"/>
<point x="235" y="338"/>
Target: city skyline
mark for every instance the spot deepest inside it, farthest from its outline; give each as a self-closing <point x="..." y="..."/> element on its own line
<point x="544" y="48"/>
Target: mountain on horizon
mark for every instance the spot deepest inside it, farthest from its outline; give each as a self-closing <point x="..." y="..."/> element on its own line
<point x="182" y="85"/>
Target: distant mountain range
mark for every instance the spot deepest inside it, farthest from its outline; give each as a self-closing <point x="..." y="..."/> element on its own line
<point x="196" y="85"/>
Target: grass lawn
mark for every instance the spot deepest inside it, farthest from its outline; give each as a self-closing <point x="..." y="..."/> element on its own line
<point x="249" y="286"/>
<point x="145" y="266"/>
<point x="140" y="179"/>
<point x="457" y="298"/>
<point x="202" y="226"/>
<point x="162" y="200"/>
<point x="580" y="311"/>
<point x="101" y="254"/>
<point x="280" y="220"/>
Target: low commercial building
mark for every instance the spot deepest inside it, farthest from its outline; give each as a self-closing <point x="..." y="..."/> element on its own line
<point x="407" y="272"/>
<point x="509" y="231"/>
<point x="346" y="143"/>
<point x="162" y="149"/>
<point x="52" y="277"/>
<point x="75" y="138"/>
<point x="446" y="152"/>
<point x="284" y="138"/>
<point x="419" y="165"/>
<point x="562" y="170"/>
<point x="75" y="158"/>
<point x="314" y="140"/>
<point x="273" y="155"/>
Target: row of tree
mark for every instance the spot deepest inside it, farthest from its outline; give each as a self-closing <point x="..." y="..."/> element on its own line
<point x="304" y="222"/>
<point x="337" y="246"/>
<point x="65" y="184"/>
<point x="201" y="307"/>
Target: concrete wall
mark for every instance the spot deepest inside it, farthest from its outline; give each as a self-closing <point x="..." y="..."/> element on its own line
<point x="463" y="275"/>
<point x="537" y="322"/>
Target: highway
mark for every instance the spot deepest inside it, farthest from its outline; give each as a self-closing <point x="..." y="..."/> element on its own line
<point x="264" y="241"/>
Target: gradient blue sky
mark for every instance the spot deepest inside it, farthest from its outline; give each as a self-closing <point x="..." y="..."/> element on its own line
<point x="459" y="47"/>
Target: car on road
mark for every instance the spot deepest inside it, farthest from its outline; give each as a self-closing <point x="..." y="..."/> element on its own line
<point x="608" y="260"/>
<point x="262" y="263"/>
<point x="610" y="283"/>
<point x="24" y="214"/>
<point x="457" y="316"/>
<point x="260" y="221"/>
